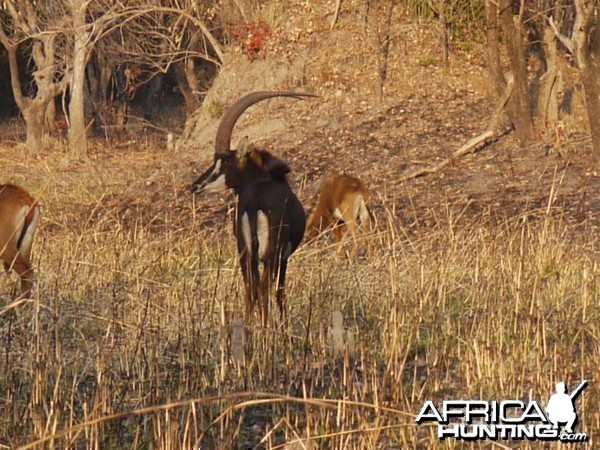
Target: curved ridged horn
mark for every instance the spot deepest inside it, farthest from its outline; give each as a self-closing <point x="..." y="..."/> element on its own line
<point x="223" y="139"/>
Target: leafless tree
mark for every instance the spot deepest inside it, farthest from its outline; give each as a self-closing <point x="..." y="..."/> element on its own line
<point x="378" y="28"/>
<point x="155" y="36"/>
<point x="82" y="43"/>
<point x="63" y="34"/>
<point x="442" y="8"/>
<point x="506" y="25"/>
<point x="38" y="25"/>
<point x="583" y="42"/>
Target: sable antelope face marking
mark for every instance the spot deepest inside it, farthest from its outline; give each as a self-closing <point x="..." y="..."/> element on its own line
<point x="236" y="168"/>
<point x="214" y="179"/>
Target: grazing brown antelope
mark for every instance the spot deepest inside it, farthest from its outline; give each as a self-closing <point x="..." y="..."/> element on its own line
<point x="19" y="215"/>
<point x="342" y="205"/>
<point x="270" y="220"/>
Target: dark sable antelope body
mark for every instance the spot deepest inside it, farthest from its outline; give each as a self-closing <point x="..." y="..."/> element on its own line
<point x="270" y="219"/>
<point x="19" y="215"/>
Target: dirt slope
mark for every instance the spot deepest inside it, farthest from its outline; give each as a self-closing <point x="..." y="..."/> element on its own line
<point x="426" y="110"/>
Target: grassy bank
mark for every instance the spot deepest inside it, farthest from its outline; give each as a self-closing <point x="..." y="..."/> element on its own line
<point x="126" y="343"/>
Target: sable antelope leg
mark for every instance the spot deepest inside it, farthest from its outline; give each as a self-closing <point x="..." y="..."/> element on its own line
<point x="279" y="276"/>
<point x="265" y="285"/>
<point x="25" y="271"/>
<point x="249" y="267"/>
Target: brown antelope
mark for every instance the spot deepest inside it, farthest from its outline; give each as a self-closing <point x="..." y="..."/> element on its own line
<point x="342" y="205"/>
<point x="19" y="215"/>
<point x="270" y="220"/>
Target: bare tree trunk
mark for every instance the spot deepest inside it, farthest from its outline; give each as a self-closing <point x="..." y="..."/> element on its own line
<point x="439" y="7"/>
<point x="591" y="82"/>
<point x="493" y="47"/>
<point x="34" y="115"/>
<point x="584" y="45"/>
<point x="42" y="53"/>
<point x="77" y="136"/>
<point x="33" y="110"/>
<point x="589" y="66"/>
<point x="192" y="103"/>
<point x="190" y="67"/>
<point x="522" y="117"/>
<point x="382" y="21"/>
<point x="50" y="116"/>
<point x="550" y="85"/>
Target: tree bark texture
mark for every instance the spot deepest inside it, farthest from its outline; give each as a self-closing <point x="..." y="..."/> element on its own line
<point x="587" y="55"/>
<point x="77" y="135"/>
<point x="43" y="55"/>
<point x="520" y="102"/>
<point x="584" y="46"/>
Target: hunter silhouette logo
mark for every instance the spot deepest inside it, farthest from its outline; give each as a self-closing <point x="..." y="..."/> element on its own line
<point x="472" y="420"/>
<point x="561" y="406"/>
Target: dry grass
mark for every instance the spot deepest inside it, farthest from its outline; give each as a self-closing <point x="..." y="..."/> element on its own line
<point x="126" y="342"/>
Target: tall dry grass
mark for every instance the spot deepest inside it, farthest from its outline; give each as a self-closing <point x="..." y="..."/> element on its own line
<point x="126" y="343"/>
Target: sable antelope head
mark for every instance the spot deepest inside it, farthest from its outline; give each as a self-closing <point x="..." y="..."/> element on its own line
<point x="19" y="215"/>
<point x="270" y="219"/>
<point x="234" y="169"/>
<point x="343" y="206"/>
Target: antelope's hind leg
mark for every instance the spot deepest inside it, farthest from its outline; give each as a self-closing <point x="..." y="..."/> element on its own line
<point x="247" y="249"/>
<point x="25" y="271"/>
<point x="366" y="227"/>
<point x="23" y="268"/>
<point x="265" y="287"/>
<point x="16" y="260"/>
<point x="249" y="267"/>
<point x="22" y="264"/>
<point x="279" y="277"/>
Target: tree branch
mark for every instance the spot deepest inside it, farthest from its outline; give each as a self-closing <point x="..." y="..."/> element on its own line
<point x="471" y="144"/>
<point x="15" y="80"/>
<point x="566" y="41"/>
<point x="4" y="39"/>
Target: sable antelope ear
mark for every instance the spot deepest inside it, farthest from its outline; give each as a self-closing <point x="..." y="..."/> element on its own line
<point x="244" y="151"/>
<point x="243" y="148"/>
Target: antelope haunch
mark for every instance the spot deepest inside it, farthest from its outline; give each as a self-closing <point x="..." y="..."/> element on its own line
<point x="19" y="215"/>
<point x="342" y="204"/>
<point x="270" y="220"/>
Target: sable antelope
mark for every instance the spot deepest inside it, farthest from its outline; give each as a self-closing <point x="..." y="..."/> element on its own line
<point x="270" y="220"/>
<point x="342" y="203"/>
<point x="19" y="215"/>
